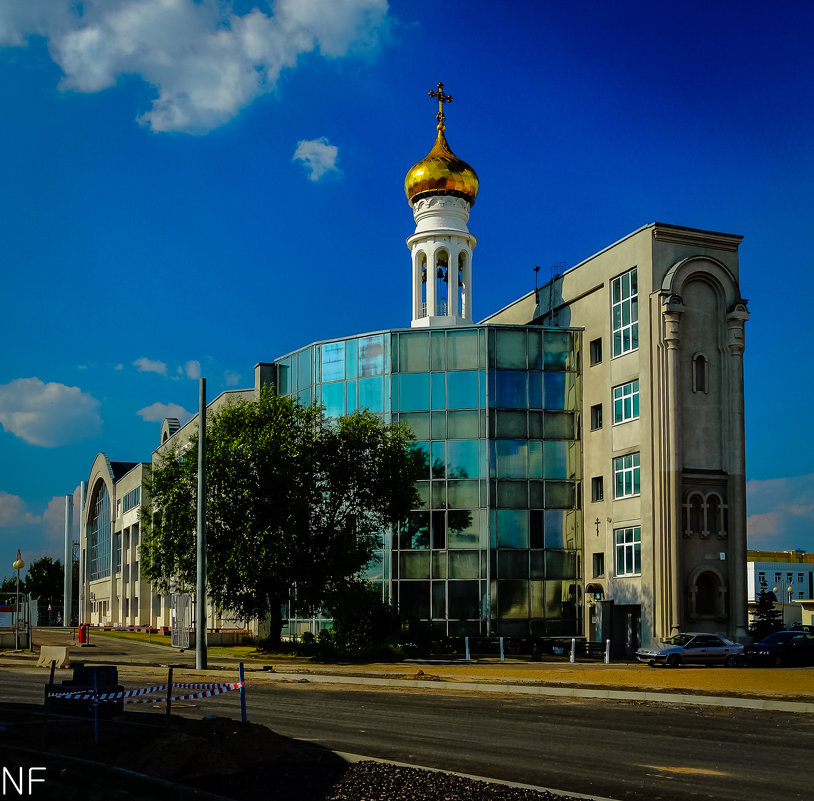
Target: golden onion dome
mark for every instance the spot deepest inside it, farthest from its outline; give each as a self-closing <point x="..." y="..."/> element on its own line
<point x="441" y="172"/>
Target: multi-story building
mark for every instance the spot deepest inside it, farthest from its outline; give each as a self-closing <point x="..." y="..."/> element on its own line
<point x="584" y="446"/>
<point x="789" y="576"/>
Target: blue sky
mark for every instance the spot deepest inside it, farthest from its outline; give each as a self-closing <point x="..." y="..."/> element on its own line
<point x="192" y="187"/>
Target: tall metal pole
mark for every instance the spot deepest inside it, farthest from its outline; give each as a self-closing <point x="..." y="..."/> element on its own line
<point x="200" y="594"/>
<point x="83" y="488"/>
<point x="18" y="565"/>
<point x="68" y="563"/>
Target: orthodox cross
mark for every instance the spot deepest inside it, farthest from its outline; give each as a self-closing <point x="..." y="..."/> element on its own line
<point x="442" y="98"/>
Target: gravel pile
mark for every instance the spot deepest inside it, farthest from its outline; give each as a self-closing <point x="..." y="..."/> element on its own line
<point x="378" y="781"/>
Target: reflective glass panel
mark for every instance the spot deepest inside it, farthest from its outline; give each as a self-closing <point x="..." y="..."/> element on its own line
<point x="513" y="564"/>
<point x="438" y="351"/>
<point x="462" y="458"/>
<point x="351" y="397"/>
<point x="350" y="358"/>
<point x="464" y="528"/>
<point x="464" y="600"/>
<point x="463" y="425"/>
<point x="553" y="528"/>
<point x="304" y="368"/>
<point x="421" y="452"/>
<point x="333" y="361"/>
<point x="419" y="424"/>
<point x="438" y="423"/>
<point x="511" y="349"/>
<point x="414" y="352"/>
<point x="414" y="565"/>
<point x="463" y="564"/>
<point x="371" y="355"/>
<point x="513" y="599"/>
<point x="557" y="348"/>
<point x="513" y="494"/>
<point x="414" y="532"/>
<point x="414" y="392"/>
<point x="439" y="564"/>
<point x="560" y="564"/>
<point x="370" y="394"/>
<point x="509" y="388"/>
<point x="535" y="350"/>
<point x="463" y="494"/>
<point x="554" y="459"/>
<point x="463" y="389"/>
<point x="559" y="425"/>
<point x="559" y="495"/>
<point x="554" y="390"/>
<point x="511" y="458"/>
<point x="535" y="390"/>
<point x="439" y="462"/>
<point x="535" y="454"/>
<point x="462" y="350"/>
<point x="333" y="398"/>
<point x="512" y="528"/>
<point x="439" y="391"/>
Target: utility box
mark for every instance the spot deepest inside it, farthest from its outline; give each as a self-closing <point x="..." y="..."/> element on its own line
<point x="87" y="680"/>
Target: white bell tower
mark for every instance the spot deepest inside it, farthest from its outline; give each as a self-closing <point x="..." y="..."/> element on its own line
<point x="441" y="189"/>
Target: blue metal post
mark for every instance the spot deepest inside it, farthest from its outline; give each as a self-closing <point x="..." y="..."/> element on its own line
<point x="242" y="692"/>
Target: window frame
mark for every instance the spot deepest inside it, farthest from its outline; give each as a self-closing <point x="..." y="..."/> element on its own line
<point x="623" y="469"/>
<point x="630" y="550"/>
<point x="625" y="398"/>
<point x="596" y="417"/>
<point x="629" y="302"/>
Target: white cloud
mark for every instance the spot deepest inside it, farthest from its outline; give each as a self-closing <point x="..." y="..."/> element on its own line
<point x="145" y="365"/>
<point x="231" y="378"/>
<point x="13" y="511"/>
<point x="781" y="513"/>
<point x="193" y="369"/>
<point x="205" y="61"/>
<point x="156" y="412"/>
<point x="50" y="414"/>
<point x="318" y="157"/>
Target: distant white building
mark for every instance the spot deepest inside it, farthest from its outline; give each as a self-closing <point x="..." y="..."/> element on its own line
<point x="787" y="574"/>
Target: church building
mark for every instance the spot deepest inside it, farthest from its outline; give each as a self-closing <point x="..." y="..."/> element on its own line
<point x="583" y="447"/>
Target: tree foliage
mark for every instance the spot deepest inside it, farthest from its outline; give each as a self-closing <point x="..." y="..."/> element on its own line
<point x="295" y="505"/>
<point x="767" y="618"/>
<point x="45" y="578"/>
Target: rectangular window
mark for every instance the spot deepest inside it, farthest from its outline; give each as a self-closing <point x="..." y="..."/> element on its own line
<point x="596" y="351"/>
<point x="628" y="551"/>
<point x="776" y="577"/>
<point x="597" y="489"/>
<point x="626" y="402"/>
<point x="596" y="417"/>
<point x="626" y="475"/>
<point x="599" y="565"/>
<point x="625" y="313"/>
<point x="789" y="578"/>
<point x="799" y="578"/>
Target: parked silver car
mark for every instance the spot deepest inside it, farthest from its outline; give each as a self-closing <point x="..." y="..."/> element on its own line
<point x="694" y="648"/>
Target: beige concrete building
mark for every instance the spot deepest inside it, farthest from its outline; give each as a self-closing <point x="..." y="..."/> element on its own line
<point x="663" y="495"/>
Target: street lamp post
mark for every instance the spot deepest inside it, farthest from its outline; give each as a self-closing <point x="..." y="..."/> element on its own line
<point x="18" y="565"/>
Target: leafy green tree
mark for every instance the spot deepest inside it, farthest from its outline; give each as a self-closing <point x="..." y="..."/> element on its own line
<point x="767" y="618"/>
<point x="295" y="505"/>
<point x="45" y="579"/>
<point x="360" y="617"/>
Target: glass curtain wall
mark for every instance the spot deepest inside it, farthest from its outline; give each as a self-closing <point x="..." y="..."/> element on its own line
<point x="494" y="547"/>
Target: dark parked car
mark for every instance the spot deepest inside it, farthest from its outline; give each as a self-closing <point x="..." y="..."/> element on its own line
<point x="693" y="648"/>
<point x="782" y="648"/>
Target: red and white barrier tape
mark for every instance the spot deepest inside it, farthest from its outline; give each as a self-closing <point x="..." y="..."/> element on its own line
<point x="215" y="689"/>
<point x="218" y="690"/>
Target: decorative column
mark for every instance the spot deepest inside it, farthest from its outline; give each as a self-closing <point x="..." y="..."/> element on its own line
<point x="737" y="469"/>
<point x="673" y="307"/>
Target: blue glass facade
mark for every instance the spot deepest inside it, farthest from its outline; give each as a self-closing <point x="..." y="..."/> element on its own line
<point x="495" y="547"/>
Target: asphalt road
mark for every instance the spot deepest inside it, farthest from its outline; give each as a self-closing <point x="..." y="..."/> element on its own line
<point x="622" y="750"/>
